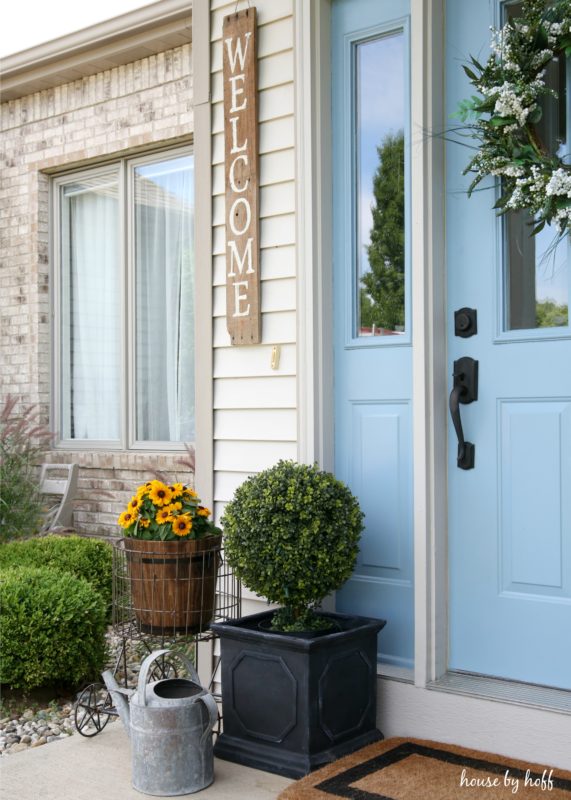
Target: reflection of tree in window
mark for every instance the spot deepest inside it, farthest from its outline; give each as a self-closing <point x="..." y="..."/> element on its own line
<point x="382" y="293"/>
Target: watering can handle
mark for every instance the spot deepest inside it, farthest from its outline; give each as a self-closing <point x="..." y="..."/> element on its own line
<point x="146" y="665"/>
<point x="212" y="709"/>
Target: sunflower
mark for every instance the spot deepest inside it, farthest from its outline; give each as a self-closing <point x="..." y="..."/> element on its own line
<point x="203" y="511"/>
<point x="163" y="515"/>
<point x="144" y="489"/>
<point x="177" y="489"/>
<point x="160" y="494"/>
<point x="182" y="525"/>
<point x="144" y="522"/>
<point x="175" y="507"/>
<point x="189" y="492"/>
<point x="134" y="504"/>
<point x="127" y="518"/>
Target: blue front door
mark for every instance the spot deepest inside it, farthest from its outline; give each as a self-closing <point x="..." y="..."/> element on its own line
<point x="509" y="516"/>
<point x="373" y="327"/>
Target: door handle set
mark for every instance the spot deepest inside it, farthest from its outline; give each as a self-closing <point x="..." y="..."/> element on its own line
<point x="464" y="391"/>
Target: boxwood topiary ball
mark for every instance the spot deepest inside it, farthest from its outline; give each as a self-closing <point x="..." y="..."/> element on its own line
<point x="292" y="534"/>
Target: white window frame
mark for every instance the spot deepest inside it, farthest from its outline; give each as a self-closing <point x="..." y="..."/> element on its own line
<point x="126" y="171"/>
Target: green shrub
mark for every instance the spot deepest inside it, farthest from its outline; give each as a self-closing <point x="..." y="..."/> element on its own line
<point x="84" y="558"/>
<point x="291" y="535"/>
<point x="22" y="441"/>
<point x="52" y="628"/>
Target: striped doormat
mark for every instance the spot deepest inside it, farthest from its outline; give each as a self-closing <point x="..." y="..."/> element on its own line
<point x="413" y="769"/>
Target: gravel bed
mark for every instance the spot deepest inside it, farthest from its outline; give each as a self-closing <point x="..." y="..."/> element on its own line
<point x="34" y="728"/>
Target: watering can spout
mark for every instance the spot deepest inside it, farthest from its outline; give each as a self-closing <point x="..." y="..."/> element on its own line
<point x="120" y="698"/>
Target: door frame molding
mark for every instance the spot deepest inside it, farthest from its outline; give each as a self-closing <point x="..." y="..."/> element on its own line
<point x="314" y="212"/>
<point x="314" y="295"/>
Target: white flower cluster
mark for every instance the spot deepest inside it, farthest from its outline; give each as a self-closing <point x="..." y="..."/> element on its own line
<point x="509" y="103"/>
<point x="562" y="219"/>
<point x="499" y="41"/>
<point x="529" y="191"/>
<point x="553" y="31"/>
<point x="541" y="58"/>
<point x="559" y="183"/>
<point x="508" y="171"/>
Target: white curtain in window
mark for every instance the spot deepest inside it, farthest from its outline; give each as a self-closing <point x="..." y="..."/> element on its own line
<point x="164" y="278"/>
<point x="91" y="310"/>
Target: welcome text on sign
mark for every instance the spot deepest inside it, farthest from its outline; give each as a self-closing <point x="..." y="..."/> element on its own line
<point x="241" y="171"/>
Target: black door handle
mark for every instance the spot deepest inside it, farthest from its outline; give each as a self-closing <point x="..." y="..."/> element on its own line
<point x="464" y="390"/>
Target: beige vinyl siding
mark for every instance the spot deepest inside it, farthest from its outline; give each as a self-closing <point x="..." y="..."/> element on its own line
<point x="255" y="420"/>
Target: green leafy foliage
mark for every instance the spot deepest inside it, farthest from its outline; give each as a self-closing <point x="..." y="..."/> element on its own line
<point x="23" y="439"/>
<point x="52" y="628"/>
<point x="549" y="314"/>
<point x="84" y="558"/>
<point x="292" y="535"/>
<point x="469" y="107"/>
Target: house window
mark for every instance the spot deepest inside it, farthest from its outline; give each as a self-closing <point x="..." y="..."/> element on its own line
<point x="124" y="303"/>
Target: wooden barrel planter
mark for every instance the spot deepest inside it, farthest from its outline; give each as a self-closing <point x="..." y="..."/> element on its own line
<point x="173" y="584"/>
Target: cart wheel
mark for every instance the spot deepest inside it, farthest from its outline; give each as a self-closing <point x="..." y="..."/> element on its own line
<point x="93" y="709"/>
<point x="163" y="668"/>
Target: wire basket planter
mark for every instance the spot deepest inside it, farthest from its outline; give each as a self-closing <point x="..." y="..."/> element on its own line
<point x="165" y="595"/>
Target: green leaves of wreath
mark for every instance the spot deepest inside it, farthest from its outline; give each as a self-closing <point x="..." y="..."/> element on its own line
<point x="507" y="109"/>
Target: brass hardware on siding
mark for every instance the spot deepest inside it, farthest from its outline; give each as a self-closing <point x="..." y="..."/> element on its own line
<point x="275" y="360"/>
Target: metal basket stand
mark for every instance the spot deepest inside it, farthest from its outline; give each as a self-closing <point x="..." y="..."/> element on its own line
<point x="162" y="601"/>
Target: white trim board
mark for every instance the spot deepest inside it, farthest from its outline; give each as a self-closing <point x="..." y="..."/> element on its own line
<point x="517" y="731"/>
<point x="137" y="34"/>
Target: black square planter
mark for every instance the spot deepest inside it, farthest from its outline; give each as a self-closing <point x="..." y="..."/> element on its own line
<point x="292" y="703"/>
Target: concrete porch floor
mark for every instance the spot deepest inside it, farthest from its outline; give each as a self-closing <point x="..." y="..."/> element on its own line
<point x="100" y="767"/>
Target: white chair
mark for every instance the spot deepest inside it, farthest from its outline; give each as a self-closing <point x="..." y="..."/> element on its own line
<point x="59" y="481"/>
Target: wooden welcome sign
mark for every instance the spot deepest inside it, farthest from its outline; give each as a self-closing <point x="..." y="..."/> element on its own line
<point x="239" y="70"/>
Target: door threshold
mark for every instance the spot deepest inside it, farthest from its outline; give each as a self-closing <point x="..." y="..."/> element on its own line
<point x="403" y="674"/>
<point x="504" y="691"/>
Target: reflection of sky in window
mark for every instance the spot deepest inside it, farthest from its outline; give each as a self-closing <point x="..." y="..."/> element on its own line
<point x="380" y="111"/>
<point x="172" y="175"/>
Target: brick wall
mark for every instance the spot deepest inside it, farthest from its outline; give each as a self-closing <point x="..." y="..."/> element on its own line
<point x="108" y="480"/>
<point x="123" y="110"/>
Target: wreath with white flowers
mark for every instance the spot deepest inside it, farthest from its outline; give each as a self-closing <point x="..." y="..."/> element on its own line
<point x="507" y="109"/>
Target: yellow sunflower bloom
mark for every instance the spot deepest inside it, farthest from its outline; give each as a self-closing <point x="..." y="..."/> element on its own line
<point x="203" y="511"/>
<point x="127" y="518"/>
<point x="144" y="522"/>
<point x="163" y="515"/>
<point x="177" y="490"/>
<point x="189" y="492"/>
<point x="182" y="525"/>
<point x="134" y="504"/>
<point x="175" y="507"/>
<point x="144" y="489"/>
<point x="160" y="494"/>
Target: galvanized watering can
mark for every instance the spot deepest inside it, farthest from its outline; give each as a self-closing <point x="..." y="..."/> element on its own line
<point x="170" y="723"/>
